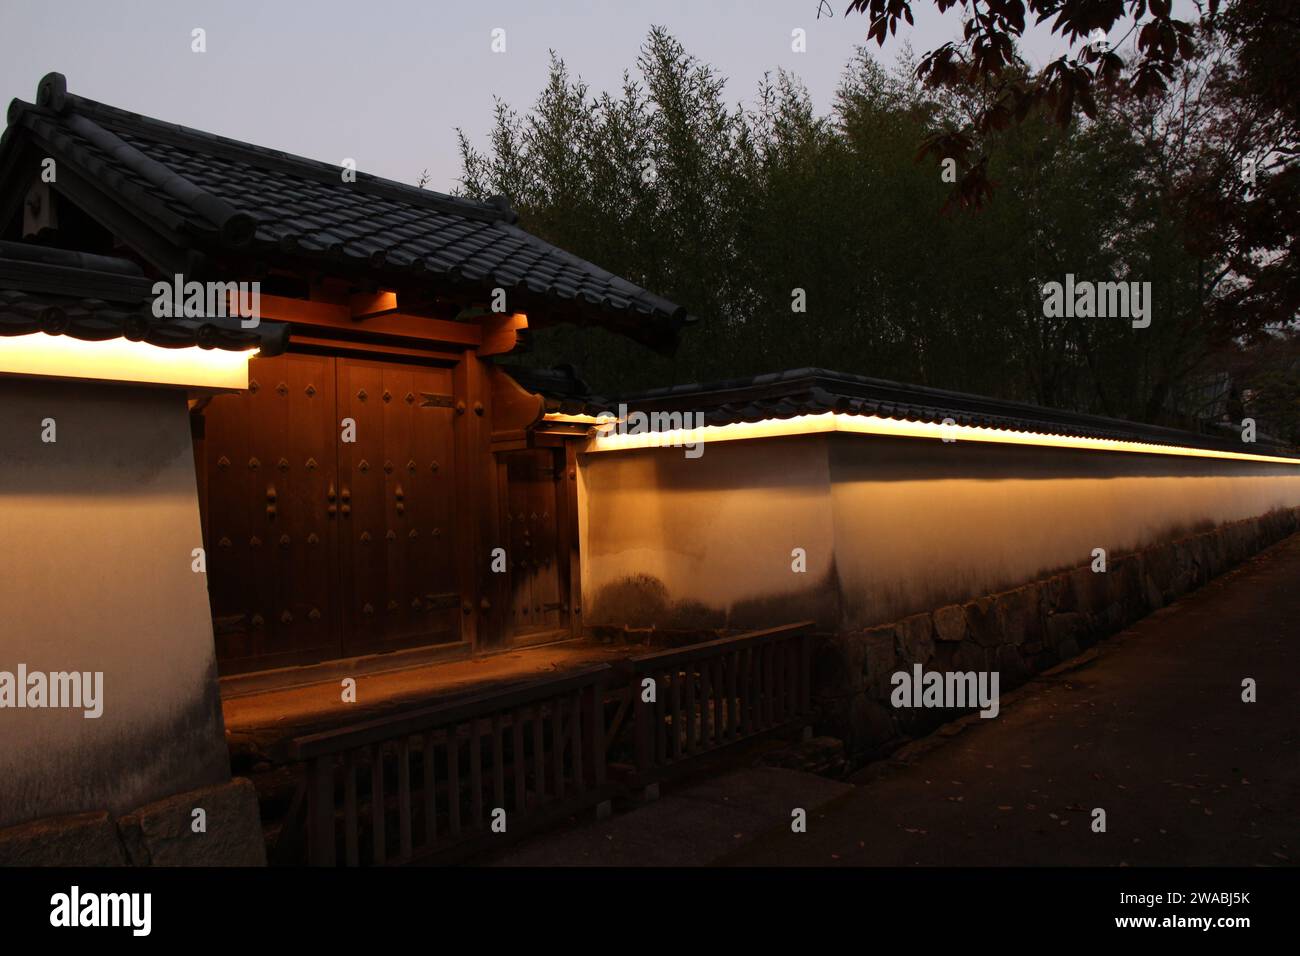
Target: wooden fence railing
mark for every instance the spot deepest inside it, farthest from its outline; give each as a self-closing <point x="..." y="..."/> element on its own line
<point x="428" y="782"/>
<point x="695" y="699"/>
<point x="397" y="789"/>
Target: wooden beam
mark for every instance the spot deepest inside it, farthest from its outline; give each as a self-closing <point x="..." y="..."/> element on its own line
<point x="279" y="308"/>
<point x="375" y="349"/>
<point x="514" y="408"/>
<point x="367" y="305"/>
<point x="501" y="333"/>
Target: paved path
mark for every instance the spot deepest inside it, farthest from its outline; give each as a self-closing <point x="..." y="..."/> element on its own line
<point x="689" y="825"/>
<point x="1151" y="728"/>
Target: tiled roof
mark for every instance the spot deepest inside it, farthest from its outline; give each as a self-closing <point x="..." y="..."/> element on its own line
<point x="813" y="391"/>
<point x="221" y="194"/>
<point x="564" y="392"/>
<point x="97" y="298"/>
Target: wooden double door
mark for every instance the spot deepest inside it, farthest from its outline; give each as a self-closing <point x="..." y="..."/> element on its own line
<point x="327" y="493"/>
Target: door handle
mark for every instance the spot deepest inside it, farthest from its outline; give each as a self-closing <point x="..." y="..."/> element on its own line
<point x="346" y="496"/>
<point x="330" y="496"/>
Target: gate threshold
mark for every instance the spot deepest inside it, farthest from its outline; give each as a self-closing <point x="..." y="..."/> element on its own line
<point x="284" y="678"/>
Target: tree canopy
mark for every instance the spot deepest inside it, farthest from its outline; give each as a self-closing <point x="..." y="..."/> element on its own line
<point x="744" y="212"/>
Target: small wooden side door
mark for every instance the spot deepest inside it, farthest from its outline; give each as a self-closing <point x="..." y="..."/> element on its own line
<point x="538" y="576"/>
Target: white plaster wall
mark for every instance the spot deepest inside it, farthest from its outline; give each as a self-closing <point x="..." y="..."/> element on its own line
<point x="891" y="526"/>
<point x="96" y="534"/>
<point x="921" y="524"/>
<point x="717" y="530"/>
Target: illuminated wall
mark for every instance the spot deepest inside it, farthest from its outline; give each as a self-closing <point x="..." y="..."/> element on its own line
<point x="921" y="524"/>
<point x="673" y="541"/>
<point x="891" y="526"/>
<point x="96" y="534"/>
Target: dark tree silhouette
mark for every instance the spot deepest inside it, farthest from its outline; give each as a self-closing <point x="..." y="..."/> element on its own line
<point x="986" y="57"/>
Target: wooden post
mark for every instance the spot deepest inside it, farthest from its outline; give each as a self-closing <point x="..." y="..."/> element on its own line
<point x="453" y="780"/>
<point x="351" y="841"/>
<point x="806" y="674"/>
<point x="322" y="813"/>
<point x="575" y="727"/>
<point x="380" y="848"/>
<point x="643" y="715"/>
<point x="733" y="703"/>
<point x="517" y="756"/>
<point x="476" y="771"/>
<point x="597" y="699"/>
<point x="430" y="792"/>
<point x="557" y="744"/>
<point x="478" y="520"/>
<point x="498" y="763"/>
<point x="688" y="674"/>
<point x="539" y="754"/>
<point x="404" y="797"/>
<point x="706" y="698"/>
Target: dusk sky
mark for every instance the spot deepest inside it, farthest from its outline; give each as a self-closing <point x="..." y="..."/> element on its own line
<point x="388" y="82"/>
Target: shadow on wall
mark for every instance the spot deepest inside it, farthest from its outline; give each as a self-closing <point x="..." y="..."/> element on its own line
<point x="1016" y="633"/>
<point x="131" y="764"/>
<point x="81" y="448"/>
<point x="642" y="601"/>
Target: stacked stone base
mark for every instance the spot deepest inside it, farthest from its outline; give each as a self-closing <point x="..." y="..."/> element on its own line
<point x="1017" y="633"/>
<point x="159" y="834"/>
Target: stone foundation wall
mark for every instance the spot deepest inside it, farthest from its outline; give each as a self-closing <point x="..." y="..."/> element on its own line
<point x="158" y="834"/>
<point x="1017" y="633"/>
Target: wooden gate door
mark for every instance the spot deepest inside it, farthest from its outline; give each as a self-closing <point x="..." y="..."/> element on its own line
<point x="397" y="540"/>
<point x="268" y="458"/>
<point x="533" y="512"/>
<point x="325" y="541"/>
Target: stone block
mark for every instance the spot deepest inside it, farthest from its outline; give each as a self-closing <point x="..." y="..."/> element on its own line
<point x="1160" y="565"/>
<point x="915" y="639"/>
<point x="950" y="623"/>
<point x="80" y="839"/>
<point x="835" y="715"/>
<point x="1018" y="617"/>
<point x="879" y="656"/>
<point x="1011" y="667"/>
<point x="1215" y="556"/>
<point x="1065" y="627"/>
<point x="1090" y="590"/>
<point x="971" y="656"/>
<point x="1054" y="594"/>
<point x="872" y="722"/>
<point x="1155" y="597"/>
<point x="1041" y="661"/>
<point x="162" y="833"/>
<point x="820" y="755"/>
<point x="984" y="621"/>
<point x="833" y="671"/>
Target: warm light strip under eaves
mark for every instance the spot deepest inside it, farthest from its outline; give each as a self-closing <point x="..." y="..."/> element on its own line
<point x="121" y="360"/>
<point x="576" y="419"/>
<point x="874" y="425"/>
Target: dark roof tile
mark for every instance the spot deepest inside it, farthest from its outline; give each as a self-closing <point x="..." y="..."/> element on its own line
<point x="95" y="298"/>
<point x="224" y="193"/>
<point x="783" y="395"/>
